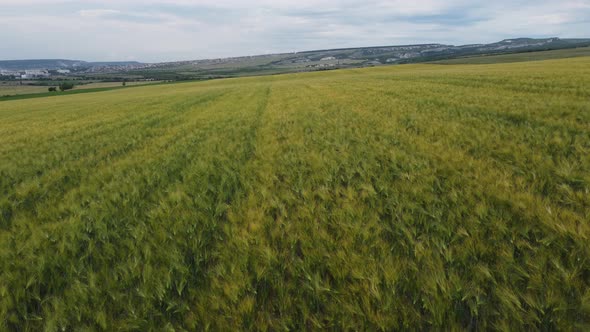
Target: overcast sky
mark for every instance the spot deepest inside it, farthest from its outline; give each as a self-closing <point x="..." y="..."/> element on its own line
<point x="159" y="30"/>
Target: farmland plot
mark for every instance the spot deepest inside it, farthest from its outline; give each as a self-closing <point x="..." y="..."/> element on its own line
<point x="419" y="196"/>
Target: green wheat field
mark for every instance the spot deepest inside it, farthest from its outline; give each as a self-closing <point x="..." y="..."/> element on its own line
<point x="419" y="197"/>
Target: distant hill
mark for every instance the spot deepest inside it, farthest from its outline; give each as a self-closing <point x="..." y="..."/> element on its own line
<point x="427" y="52"/>
<point x="295" y="62"/>
<point x="519" y="57"/>
<point x="346" y="58"/>
<point x="52" y="64"/>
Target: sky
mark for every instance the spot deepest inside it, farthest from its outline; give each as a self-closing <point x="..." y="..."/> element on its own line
<point x="173" y="30"/>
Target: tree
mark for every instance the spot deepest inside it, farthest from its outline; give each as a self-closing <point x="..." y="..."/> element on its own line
<point x="52" y="89"/>
<point x="124" y="83"/>
<point x="66" y="86"/>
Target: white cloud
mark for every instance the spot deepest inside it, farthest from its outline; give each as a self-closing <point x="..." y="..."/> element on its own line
<point x="158" y="30"/>
<point x="98" y="12"/>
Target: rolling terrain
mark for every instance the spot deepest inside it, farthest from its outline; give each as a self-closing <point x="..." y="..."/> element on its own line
<point x="270" y="64"/>
<point x="390" y="198"/>
<point x="519" y="57"/>
<point x="347" y="58"/>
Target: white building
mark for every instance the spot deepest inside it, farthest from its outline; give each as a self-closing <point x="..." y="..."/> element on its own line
<point x="328" y="58"/>
<point x="36" y="73"/>
<point x="9" y="73"/>
<point x="63" y="71"/>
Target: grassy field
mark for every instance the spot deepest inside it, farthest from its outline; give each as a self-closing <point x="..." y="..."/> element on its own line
<point x="520" y="57"/>
<point x="392" y="198"/>
<point x="14" y="89"/>
<point x="100" y="85"/>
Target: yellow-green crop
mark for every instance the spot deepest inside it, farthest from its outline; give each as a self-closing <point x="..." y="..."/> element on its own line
<point x="395" y="198"/>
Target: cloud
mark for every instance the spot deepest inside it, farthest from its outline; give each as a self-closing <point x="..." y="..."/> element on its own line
<point x="98" y="12"/>
<point x="158" y="30"/>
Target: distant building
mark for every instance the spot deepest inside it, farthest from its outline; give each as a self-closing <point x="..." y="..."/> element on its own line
<point x="63" y="71"/>
<point x="35" y="74"/>
<point x="9" y="73"/>
<point x="321" y="65"/>
<point x="328" y="58"/>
